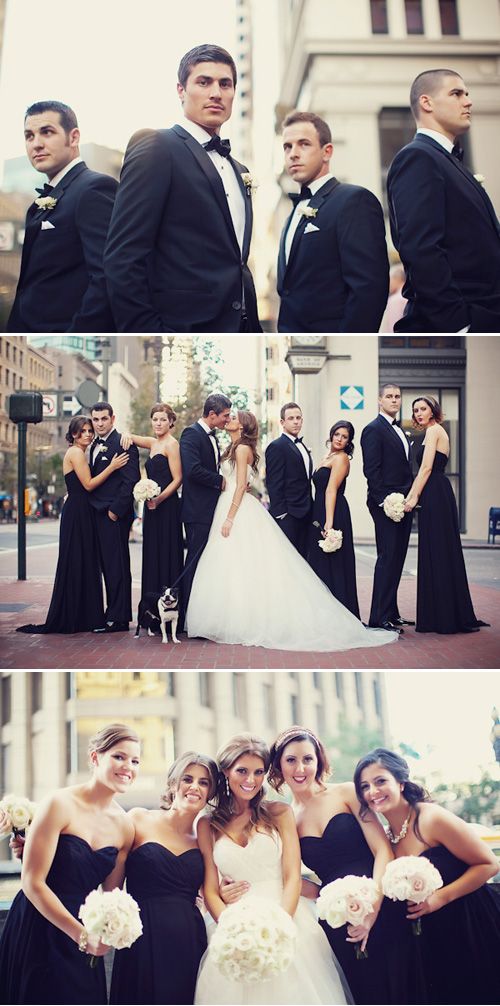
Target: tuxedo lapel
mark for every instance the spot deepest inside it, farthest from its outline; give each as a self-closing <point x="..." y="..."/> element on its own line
<point x="36" y="214"/>
<point x="247" y="196"/>
<point x="315" y="203"/>
<point x="457" y="165"/>
<point x="391" y="434"/>
<point x="281" y="254"/>
<point x="212" y="175"/>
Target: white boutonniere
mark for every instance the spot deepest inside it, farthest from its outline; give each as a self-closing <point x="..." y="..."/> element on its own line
<point x="309" y="211"/>
<point x="248" y="182"/>
<point x="481" y="179"/>
<point x="46" y="202"/>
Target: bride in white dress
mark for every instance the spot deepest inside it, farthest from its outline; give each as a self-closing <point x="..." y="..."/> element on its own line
<point x="251" y="839"/>
<point x="276" y="600"/>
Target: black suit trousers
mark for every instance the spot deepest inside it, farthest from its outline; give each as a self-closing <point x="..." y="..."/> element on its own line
<point x="196" y="538"/>
<point x="115" y="561"/>
<point x="296" y="530"/>
<point x="392" y="545"/>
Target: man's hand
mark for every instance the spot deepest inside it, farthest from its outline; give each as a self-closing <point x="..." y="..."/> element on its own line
<point x="232" y="890"/>
<point x="111" y="515"/>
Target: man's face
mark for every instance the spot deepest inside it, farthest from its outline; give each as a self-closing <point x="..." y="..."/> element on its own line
<point x="292" y="423"/>
<point x="48" y="146"/>
<point x="102" y="422"/>
<point x="390" y="401"/>
<point x="305" y="158"/>
<point x="449" y="107"/>
<point x="208" y="95"/>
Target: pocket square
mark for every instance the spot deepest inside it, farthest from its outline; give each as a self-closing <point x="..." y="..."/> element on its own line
<point x="310" y="228"/>
<point x="47" y="226"/>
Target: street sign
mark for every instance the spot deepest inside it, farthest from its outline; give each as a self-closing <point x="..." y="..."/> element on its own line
<point x="71" y="406"/>
<point x="88" y="393"/>
<point x="49" y="406"/>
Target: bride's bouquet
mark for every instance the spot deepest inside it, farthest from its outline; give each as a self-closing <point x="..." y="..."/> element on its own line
<point x="110" y="916"/>
<point x="411" y="878"/>
<point x="16" y="814"/>
<point x="146" y="489"/>
<point x="254" y="940"/>
<point x="394" y="506"/>
<point x="332" y="541"/>
<point x="348" y="900"/>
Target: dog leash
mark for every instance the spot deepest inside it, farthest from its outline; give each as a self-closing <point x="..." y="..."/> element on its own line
<point x="184" y="571"/>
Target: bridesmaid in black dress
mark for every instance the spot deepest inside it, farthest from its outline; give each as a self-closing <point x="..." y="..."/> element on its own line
<point x="164" y="874"/>
<point x="162" y="550"/>
<point x="76" y="604"/>
<point x="444" y="603"/>
<point x="331" y="510"/>
<point x="334" y="843"/>
<point x="79" y="839"/>
<point x="458" y="951"/>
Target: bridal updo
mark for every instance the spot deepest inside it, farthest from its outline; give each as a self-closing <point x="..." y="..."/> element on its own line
<point x="177" y="770"/>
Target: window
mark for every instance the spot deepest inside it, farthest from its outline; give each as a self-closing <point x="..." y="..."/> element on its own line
<point x="6" y="699"/>
<point x="449" y="17"/>
<point x="414" y="17"/>
<point x="7" y="376"/>
<point x="378" y="11"/>
<point x="294" y="708"/>
<point x="5" y="767"/>
<point x="36" y="681"/>
<point x="339" y="685"/>
<point x="359" y="689"/>
<point x="205" y="689"/>
<point x="396" y="127"/>
<point x="377" y="697"/>
<point x="239" y="695"/>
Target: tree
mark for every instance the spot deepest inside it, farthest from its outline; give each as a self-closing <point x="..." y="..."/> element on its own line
<point x="477" y="802"/>
<point x="348" y="745"/>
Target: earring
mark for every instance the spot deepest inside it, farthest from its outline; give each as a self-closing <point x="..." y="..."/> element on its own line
<point x="228" y="789"/>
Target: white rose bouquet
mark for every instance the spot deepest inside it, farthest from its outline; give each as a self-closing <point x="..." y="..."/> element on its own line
<point x="254" y="940"/>
<point x="394" y="506"/>
<point x="110" y="916"/>
<point x="146" y="489"/>
<point x="16" y="814"/>
<point x="348" y="900"/>
<point x="332" y="541"/>
<point x="411" y="878"/>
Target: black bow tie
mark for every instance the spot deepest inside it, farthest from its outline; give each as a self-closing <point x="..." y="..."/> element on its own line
<point x="305" y="193"/>
<point x="99" y="440"/>
<point x="212" y="433"/>
<point x="223" y="147"/>
<point x="458" y="152"/>
<point x="395" y="422"/>
<point x="298" y="440"/>
<point x="46" y="191"/>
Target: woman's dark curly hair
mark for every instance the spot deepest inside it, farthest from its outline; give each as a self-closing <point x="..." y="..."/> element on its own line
<point x="393" y="763"/>
<point x="341" y="425"/>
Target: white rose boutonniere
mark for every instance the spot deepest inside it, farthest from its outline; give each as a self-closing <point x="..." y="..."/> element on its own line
<point x="46" y="202"/>
<point x="309" y="211"/>
<point x="481" y="179"/>
<point x="249" y="183"/>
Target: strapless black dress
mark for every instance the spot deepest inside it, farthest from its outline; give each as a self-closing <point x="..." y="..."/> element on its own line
<point x="336" y="569"/>
<point x="162" y="550"/>
<point x="38" y="962"/>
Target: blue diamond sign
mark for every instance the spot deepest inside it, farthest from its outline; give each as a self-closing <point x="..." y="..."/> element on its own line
<point x="352" y="396"/>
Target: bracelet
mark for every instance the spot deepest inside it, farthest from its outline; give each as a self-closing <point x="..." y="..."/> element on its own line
<point x="228" y="520"/>
<point x="82" y="942"/>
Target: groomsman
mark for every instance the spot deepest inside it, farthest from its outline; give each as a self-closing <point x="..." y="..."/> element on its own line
<point x="61" y="285"/>
<point x="333" y="270"/>
<point x="288" y="478"/>
<point x="114" y="508"/>
<point x="176" y="258"/>
<point x="387" y="468"/>
<point x="201" y="481"/>
<point x="442" y="221"/>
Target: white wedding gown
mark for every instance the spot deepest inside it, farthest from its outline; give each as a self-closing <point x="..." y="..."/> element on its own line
<point x="313" y="977"/>
<point x="254" y="588"/>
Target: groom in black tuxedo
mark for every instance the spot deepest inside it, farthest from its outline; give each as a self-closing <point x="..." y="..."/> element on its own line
<point x="288" y="478"/>
<point x="442" y="221"/>
<point x="333" y="271"/>
<point x="114" y="507"/>
<point x="61" y="285"/>
<point x="202" y="483"/>
<point x="387" y="468"/>
<point x="176" y="258"/>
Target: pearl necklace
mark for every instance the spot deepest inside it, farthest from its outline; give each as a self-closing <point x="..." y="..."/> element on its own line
<point x="394" y="839"/>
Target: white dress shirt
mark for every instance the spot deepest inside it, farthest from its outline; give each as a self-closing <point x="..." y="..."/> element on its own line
<point x="213" y="440"/>
<point x="64" y="171"/>
<point x="301" y="448"/>
<point x="297" y="215"/>
<point x="398" y="430"/>
<point x="97" y="448"/>
<point x="234" y="195"/>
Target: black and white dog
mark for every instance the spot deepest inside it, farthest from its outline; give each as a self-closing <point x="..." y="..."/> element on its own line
<point x="155" y="610"/>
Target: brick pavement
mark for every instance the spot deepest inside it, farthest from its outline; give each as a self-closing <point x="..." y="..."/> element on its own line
<point x="122" y="651"/>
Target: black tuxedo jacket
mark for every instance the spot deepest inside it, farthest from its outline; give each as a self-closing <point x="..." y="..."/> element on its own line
<point x="385" y="465"/>
<point x="447" y="234"/>
<point x="201" y="482"/>
<point x="61" y="285"/>
<point x="287" y="483"/>
<point x="172" y="261"/>
<point x="115" y="493"/>
<point x="337" y="275"/>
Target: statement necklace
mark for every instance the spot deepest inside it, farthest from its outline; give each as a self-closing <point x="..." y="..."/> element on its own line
<point x="394" y="839"/>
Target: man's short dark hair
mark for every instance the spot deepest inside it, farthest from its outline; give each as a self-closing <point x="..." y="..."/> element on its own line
<point x="289" y="405"/>
<point x="102" y="407"/>
<point x="66" y="114"/>
<point x="322" y="128"/>
<point x="388" y="384"/>
<point x="427" y="82"/>
<point x="217" y="404"/>
<point x="206" y="53"/>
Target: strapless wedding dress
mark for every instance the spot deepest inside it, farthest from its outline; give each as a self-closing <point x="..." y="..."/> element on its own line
<point x="312" y="977"/>
<point x="254" y="588"/>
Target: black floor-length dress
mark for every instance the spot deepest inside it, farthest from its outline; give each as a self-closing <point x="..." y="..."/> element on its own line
<point x="38" y="962"/>
<point x="336" y="569"/>
<point x="162" y="965"/>
<point x="162" y="552"/>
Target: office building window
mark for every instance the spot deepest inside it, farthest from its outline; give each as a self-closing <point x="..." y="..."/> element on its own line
<point x="378" y="11"/>
<point x="414" y="17"/>
<point x="359" y="689"/>
<point x="6" y="694"/>
<point x="339" y="685"/>
<point x="36" y="679"/>
<point x="205" y="689"/>
<point x="449" y="17"/>
<point x="396" y="127"/>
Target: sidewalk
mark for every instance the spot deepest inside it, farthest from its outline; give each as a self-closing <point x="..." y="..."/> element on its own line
<point x="27" y="601"/>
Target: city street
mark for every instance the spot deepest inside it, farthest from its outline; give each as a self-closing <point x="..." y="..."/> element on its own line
<point x="27" y="601"/>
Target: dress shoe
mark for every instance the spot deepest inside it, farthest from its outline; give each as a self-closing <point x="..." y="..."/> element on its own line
<point x="113" y="627"/>
<point x="389" y="627"/>
<point x="470" y="628"/>
<point x="401" y="621"/>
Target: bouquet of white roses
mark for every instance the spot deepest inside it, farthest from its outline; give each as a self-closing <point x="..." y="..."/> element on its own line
<point x="146" y="489"/>
<point x="411" y="878"/>
<point x="111" y="916"/>
<point x="16" y="814"/>
<point x="348" y="900"/>
<point x="254" y="940"/>
<point x="332" y="541"/>
<point x="394" y="506"/>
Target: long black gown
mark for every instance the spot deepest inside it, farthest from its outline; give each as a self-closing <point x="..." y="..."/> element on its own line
<point x="38" y="962"/>
<point x="162" y="551"/>
<point x="336" y="569"/>
<point x="381" y="977"/>
<point x="76" y="604"/>
<point x="443" y="599"/>
<point x="162" y="965"/>
<point x="460" y="943"/>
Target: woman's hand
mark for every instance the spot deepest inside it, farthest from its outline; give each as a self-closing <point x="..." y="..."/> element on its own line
<point x="153" y="504"/>
<point x="360" y="934"/>
<point x="16" y="845"/>
<point x="118" y="461"/>
<point x="410" y="502"/>
<point x="326" y="528"/>
<point x="226" y="528"/>
<point x="126" y="441"/>
<point x="232" y="890"/>
<point x="95" y="948"/>
<point x="431" y="904"/>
